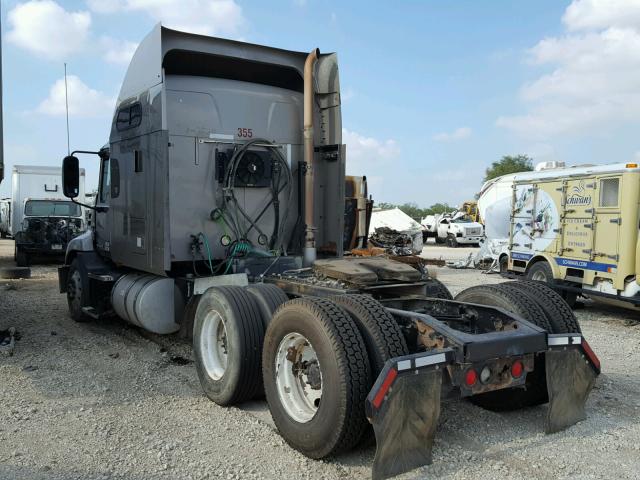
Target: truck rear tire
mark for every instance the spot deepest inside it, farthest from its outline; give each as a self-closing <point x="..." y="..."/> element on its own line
<point x="382" y="335"/>
<point x="316" y="376"/>
<point x="535" y="390"/>
<point x="503" y="264"/>
<point x="540" y="272"/>
<point x="559" y="313"/>
<point x="227" y="344"/>
<point x="508" y="299"/>
<point x="77" y="291"/>
<point x="437" y="289"/>
<point x="269" y="298"/>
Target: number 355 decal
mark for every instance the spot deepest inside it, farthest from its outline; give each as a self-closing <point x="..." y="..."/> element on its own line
<point x="245" y="132"/>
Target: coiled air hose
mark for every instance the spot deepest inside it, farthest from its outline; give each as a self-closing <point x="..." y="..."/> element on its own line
<point x="233" y="213"/>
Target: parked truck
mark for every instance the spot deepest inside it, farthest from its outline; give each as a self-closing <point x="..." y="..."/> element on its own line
<point x="220" y="211"/>
<point x="577" y="229"/>
<point x="5" y="217"/>
<point x="42" y="220"/>
<point x="453" y="229"/>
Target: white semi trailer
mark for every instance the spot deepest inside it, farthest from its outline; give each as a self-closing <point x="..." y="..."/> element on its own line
<point x="42" y="219"/>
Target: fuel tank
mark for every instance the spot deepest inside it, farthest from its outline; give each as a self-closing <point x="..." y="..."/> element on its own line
<point x="148" y="301"/>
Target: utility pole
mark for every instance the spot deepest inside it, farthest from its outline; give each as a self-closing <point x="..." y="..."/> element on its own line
<point x="1" y="126"/>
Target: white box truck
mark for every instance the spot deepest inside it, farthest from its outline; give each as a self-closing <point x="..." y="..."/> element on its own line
<point x="5" y="217"/>
<point x="575" y="228"/>
<point x="42" y="219"/>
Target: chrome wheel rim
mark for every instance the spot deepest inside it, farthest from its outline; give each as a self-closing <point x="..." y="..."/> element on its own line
<point x="74" y="290"/>
<point x="213" y="345"/>
<point x="298" y="377"/>
<point x="539" y="276"/>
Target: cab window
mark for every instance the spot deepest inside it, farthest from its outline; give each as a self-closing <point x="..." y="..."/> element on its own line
<point x="105" y="182"/>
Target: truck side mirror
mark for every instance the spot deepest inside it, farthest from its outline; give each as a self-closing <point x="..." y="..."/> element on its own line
<point x="70" y="177"/>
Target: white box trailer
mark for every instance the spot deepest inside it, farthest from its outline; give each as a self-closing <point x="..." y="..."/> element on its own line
<point x="42" y="219"/>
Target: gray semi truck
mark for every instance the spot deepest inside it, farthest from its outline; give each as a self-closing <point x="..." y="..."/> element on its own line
<point x="220" y="211"/>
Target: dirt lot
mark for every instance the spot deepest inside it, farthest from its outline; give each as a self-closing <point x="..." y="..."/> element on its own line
<point x="103" y="400"/>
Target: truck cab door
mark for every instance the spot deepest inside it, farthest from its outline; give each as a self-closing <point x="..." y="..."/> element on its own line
<point x="103" y="216"/>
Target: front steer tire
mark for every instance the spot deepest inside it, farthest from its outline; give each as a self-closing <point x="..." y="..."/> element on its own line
<point x="339" y="422"/>
<point x="77" y="291"/>
<point x="243" y="334"/>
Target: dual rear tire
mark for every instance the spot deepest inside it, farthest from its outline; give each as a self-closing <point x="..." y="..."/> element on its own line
<point x="316" y="359"/>
<point x="228" y="334"/>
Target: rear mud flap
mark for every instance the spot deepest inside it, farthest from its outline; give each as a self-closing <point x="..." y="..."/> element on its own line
<point x="403" y="407"/>
<point x="570" y="378"/>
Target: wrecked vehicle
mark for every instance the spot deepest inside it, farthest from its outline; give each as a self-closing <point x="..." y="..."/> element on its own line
<point x="396" y="232"/>
<point x="42" y="220"/>
<point x="220" y="211"/>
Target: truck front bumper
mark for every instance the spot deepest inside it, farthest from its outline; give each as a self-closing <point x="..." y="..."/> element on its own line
<point x="42" y="248"/>
<point x="464" y="240"/>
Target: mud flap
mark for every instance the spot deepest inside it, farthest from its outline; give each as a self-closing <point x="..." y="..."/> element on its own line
<point x="571" y="374"/>
<point x="403" y="407"/>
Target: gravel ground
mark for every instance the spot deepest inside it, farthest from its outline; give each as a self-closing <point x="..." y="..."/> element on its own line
<point x="105" y="400"/>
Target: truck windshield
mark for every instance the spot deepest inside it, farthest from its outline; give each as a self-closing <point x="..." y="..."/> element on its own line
<point x="464" y="219"/>
<point x="51" y="208"/>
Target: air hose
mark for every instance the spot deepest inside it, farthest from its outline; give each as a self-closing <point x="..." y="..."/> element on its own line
<point x="206" y="245"/>
<point x="233" y="213"/>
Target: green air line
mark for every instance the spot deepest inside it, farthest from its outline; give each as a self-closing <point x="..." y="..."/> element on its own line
<point x="206" y="244"/>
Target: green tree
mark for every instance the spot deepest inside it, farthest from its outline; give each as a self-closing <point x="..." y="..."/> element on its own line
<point x="416" y="212"/>
<point x="509" y="164"/>
<point x="439" y="208"/>
<point x="384" y="205"/>
<point x="413" y="210"/>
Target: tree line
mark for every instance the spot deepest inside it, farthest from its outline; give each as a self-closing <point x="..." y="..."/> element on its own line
<point x="506" y="165"/>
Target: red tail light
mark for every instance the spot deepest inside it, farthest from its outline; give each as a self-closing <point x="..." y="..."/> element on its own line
<point x="517" y="369"/>
<point x="384" y="388"/>
<point x="471" y="377"/>
<point x="590" y="355"/>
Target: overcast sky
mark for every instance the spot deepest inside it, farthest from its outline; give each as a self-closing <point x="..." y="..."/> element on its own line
<point x="433" y="91"/>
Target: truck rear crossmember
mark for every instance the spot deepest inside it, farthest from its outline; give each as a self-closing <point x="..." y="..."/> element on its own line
<point x="404" y="404"/>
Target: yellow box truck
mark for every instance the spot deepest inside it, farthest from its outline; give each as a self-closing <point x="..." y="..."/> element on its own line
<point x="577" y="228"/>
